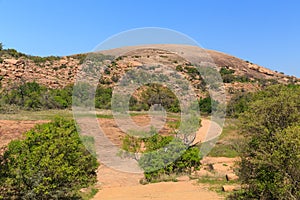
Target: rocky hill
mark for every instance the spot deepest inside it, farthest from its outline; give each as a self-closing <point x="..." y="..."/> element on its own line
<point x="58" y="72"/>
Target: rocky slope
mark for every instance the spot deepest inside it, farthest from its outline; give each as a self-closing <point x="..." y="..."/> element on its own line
<point x="61" y="71"/>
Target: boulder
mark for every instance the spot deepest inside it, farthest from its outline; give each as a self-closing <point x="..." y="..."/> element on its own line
<point x="230" y="188"/>
<point x="231" y="177"/>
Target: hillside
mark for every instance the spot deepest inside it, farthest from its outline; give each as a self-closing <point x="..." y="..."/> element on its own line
<point x="58" y="72"/>
<point x="25" y="104"/>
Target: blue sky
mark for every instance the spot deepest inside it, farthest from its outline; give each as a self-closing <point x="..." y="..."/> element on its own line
<point x="263" y="32"/>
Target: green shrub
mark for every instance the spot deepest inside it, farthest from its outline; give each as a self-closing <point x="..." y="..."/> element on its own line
<point x="207" y="105"/>
<point x="166" y="156"/>
<point x="14" y="53"/>
<point x="270" y="163"/>
<point x="103" y="97"/>
<point x="174" y="158"/>
<point x="39" y="60"/>
<point x="240" y="102"/>
<point x="32" y="96"/>
<point x="50" y="163"/>
<point x="157" y="94"/>
<point x="226" y="70"/>
<point x="179" y="68"/>
<point x="228" y="78"/>
<point x="163" y="156"/>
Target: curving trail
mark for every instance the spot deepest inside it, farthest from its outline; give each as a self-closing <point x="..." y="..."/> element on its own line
<point x="117" y="185"/>
<point x="207" y="131"/>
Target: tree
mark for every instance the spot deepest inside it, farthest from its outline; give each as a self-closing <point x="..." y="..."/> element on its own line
<point x="208" y="105"/>
<point x="1" y="46"/>
<point x="51" y="163"/>
<point x="270" y="163"/>
<point x="173" y="158"/>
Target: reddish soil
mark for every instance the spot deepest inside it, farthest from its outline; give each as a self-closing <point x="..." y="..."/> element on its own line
<point x="10" y="129"/>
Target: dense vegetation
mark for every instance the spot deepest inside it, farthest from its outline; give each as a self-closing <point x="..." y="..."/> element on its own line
<point x="33" y="96"/>
<point x="163" y="156"/>
<point x="176" y="158"/>
<point x="270" y="163"/>
<point x="229" y="77"/>
<point x="208" y="105"/>
<point x="50" y="163"/>
<point x="240" y="102"/>
<point x="155" y="94"/>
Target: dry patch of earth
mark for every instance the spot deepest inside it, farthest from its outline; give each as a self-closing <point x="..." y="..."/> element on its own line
<point x="115" y="185"/>
<point x="10" y="129"/>
<point x="159" y="191"/>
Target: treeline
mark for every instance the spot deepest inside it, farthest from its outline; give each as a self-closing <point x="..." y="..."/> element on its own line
<point x="241" y="101"/>
<point x="9" y="52"/>
<point x="33" y="96"/>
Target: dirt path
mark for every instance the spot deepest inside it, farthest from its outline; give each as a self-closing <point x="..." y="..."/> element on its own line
<point x="116" y="185"/>
<point x="159" y="191"/>
<point x="207" y="131"/>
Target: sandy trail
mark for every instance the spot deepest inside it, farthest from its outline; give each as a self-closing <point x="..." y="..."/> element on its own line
<point x="116" y="185"/>
<point x="159" y="191"/>
<point x="207" y="131"/>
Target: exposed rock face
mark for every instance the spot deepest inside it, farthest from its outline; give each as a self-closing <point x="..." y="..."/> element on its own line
<point x="55" y="74"/>
<point x="61" y="72"/>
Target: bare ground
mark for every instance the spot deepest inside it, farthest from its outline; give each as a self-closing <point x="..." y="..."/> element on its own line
<point x="115" y="185"/>
<point x="10" y="129"/>
<point x="159" y="191"/>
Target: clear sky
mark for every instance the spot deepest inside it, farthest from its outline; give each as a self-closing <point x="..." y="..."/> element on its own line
<point x="265" y="32"/>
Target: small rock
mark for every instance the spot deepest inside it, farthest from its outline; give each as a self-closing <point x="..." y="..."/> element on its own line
<point x="231" y="177"/>
<point x="183" y="178"/>
<point x="230" y="188"/>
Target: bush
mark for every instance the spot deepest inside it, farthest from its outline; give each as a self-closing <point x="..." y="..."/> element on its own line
<point x="14" y="53"/>
<point x="173" y="159"/>
<point x="38" y="59"/>
<point x="157" y="94"/>
<point x="207" y="105"/>
<point x="226" y="70"/>
<point x="103" y="97"/>
<point x="32" y="96"/>
<point x="166" y="156"/>
<point x="270" y="163"/>
<point x="229" y="77"/>
<point x="241" y="101"/>
<point x="163" y="156"/>
<point x="239" y="104"/>
<point x="50" y="163"/>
